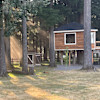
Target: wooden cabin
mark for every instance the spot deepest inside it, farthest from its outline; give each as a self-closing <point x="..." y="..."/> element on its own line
<point x="71" y="37"/>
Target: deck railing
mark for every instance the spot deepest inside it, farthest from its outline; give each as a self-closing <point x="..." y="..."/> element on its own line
<point x="98" y="44"/>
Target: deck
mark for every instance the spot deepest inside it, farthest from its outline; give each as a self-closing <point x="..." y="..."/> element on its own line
<point x="97" y="45"/>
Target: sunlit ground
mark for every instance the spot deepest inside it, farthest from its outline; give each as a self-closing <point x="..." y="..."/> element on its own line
<point x="49" y="84"/>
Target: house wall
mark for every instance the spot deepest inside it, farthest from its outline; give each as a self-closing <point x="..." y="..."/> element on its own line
<point x="59" y="42"/>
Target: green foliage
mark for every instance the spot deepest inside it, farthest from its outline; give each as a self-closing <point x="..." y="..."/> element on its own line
<point x="34" y="5"/>
<point x="62" y="11"/>
<point x="15" y="9"/>
<point x="49" y="17"/>
<point x="10" y="17"/>
<point x="71" y="9"/>
<point x="10" y="27"/>
<point x="96" y="16"/>
<point x="66" y="59"/>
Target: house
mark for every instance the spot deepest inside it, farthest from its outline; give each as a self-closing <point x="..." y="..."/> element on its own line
<point x="71" y="37"/>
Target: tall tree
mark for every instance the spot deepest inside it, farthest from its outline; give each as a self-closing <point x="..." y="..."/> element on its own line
<point x="24" y="40"/>
<point x="7" y="52"/>
<point x="3" y="70"/>
<point x="51" y="43"/>
<point x="45" y="49"/>
<point x="87" y="36"/>
<point x="49" y="17"/>
<point x="10" y="24"/>
<point x="51" y="48"/>
<point x="8" y="32"/>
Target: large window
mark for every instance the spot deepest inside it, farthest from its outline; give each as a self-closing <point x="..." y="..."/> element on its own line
<point x="92" y="37"/>
<point x="70" y="38"/>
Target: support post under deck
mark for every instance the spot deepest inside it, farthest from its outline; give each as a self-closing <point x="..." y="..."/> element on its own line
<point x="69" y="58"/>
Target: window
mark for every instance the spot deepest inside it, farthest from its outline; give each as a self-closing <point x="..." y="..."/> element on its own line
<point x="92" y="37"/>
<point x="70" y="38"/>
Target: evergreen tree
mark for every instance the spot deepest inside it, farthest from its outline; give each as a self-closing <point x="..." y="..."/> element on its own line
<point x="87" y="36"/>
<point x="72" y="10"/>
<point x="10" y="23"/>
<point x="3" y="70"/>
<point x="49" y="17"/>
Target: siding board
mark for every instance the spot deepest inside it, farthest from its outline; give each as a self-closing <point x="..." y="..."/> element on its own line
<point x="59" y="41"/>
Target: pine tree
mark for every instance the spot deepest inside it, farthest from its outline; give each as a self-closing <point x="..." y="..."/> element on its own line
<point x="3" y="70"/>
<point x="49" y="17"/>
<point x="87" y="36"/>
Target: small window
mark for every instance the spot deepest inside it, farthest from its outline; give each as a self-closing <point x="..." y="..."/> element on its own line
<point x="92" y="37"/>
<point x="70" y="38"/>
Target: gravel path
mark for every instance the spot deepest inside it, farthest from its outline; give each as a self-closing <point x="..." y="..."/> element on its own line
<point x="72" y="67"/>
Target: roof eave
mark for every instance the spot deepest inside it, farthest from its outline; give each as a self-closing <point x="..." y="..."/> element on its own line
<point x="82" y="30"/>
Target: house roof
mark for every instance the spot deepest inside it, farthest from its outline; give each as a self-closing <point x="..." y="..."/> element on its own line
<point x="70" y="26"/>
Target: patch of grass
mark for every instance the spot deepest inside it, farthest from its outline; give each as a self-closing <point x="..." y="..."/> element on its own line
<point x="49" y="84"/>
<point x="45" y="63"/>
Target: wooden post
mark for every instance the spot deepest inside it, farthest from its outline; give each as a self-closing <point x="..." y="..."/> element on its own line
<point x="61" y="57"/>
<point x="92" y="56"/>
<point x="57" y="56"/>
<point x="69" y="58"/>
<point x="74" y="59"/>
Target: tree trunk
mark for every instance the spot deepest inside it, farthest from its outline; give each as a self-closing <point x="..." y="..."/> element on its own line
<point x="51" y="3"/>
<point x="62" y="58"/>
<point x="45" y="50"/>
<point x="58" y="56"/>
<point x="24" y="45"/>
<point x="52" y="52"/>
<point x="3" y="70"/>
<point x="41" y="49"/>
<point x="7" y="51"/>
<point x="45" y="53"/>
<point x="87" y="36"/>
<point x="31" y="70"/>
<point x="7" y="45"/>
<point x="36" y="44"/>
<point x="81" y="19"/>
<point x="33" y="44"/>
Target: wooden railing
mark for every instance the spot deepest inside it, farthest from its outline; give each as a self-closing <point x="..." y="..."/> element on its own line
<point x="96" y="61"/>
<point x="98" y="44"/>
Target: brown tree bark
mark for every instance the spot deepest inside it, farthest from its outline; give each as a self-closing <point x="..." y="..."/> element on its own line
<point x="81" y="19"/>
<point x="58" y="59"/>
<point x="3" y="70"/>
<point x="33" y="44"/>
<point x="45" y="50"/>
<point x="40" y="48"/>
<point x="36" y="43"/>
<point x="45" y="54"/>
<point x="87" y="36"/>
<point x="24" y="46"/>
<point x="52" y="51"/>
<point x="7" y="52"/>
